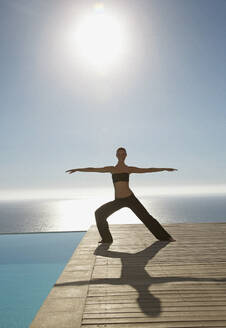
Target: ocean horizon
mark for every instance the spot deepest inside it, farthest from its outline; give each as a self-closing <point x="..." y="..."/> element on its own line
<point x="76" y="213"/>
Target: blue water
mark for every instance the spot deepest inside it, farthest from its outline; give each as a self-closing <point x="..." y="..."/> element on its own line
<point x="30" y="264"/>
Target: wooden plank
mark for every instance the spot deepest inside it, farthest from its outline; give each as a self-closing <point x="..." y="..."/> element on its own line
<point x="140" y="282"/>
<point x="172" y="324"/>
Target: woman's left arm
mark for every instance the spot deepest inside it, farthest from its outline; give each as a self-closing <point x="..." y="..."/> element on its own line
<point x="134" y="169"/>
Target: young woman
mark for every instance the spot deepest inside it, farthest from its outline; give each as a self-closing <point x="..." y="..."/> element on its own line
<point x="124" y="197"/>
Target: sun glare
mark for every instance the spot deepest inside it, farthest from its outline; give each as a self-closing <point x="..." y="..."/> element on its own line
<point x="99" y="39"/>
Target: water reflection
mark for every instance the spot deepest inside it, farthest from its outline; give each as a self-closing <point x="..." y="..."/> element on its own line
<point x="77" y="213"/>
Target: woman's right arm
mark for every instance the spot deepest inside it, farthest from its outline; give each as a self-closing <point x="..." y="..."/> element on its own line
<point x="92" y="169"/>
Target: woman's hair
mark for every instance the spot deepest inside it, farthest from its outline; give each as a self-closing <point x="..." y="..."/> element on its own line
<point x="120" y="148"/>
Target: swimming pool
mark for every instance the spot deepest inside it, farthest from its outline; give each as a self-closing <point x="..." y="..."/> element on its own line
<point x="30" y="264"/>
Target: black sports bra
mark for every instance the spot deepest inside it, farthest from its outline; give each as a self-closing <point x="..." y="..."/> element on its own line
<point x="124" y="176"/>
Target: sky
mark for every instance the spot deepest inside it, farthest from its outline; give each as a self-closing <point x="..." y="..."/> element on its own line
<point x="162" y="97"/>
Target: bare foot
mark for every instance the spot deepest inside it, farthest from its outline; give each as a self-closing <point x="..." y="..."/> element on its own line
<point x="104" y="242"/>
<point x="172" y="239"/>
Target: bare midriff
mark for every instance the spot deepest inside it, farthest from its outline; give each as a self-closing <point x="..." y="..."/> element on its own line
<point x="122" y="189"/>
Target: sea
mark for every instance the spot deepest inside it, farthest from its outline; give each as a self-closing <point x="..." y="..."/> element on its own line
<point x="78" y="213"/>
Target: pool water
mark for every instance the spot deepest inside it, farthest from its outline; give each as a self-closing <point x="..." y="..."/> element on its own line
<point x="30" y="264"/>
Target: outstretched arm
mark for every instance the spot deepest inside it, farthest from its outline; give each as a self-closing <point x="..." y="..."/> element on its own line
<point x="134" y="169"/>
<point x="104" y="169"/>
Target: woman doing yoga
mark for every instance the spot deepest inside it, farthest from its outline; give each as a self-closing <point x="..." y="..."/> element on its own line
<point x="124" y="197"/>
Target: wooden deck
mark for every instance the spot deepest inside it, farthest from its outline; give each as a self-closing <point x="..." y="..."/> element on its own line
<point x="140" y="282"/>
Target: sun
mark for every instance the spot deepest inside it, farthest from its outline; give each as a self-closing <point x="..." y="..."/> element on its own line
<point x="99" y="39"/>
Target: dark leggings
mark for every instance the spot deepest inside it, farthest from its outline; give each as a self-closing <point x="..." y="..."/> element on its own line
<point x="104" y="211"/>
